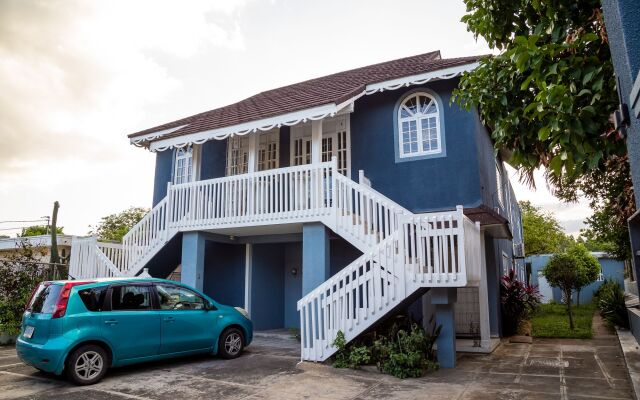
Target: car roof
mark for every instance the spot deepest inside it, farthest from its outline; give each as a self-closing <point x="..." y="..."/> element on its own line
<point x="113" y="279"/>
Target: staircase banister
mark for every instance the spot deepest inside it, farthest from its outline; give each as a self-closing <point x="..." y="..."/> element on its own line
<point x="343" y="272"/>
<point x="374" y="193"/>
<point x="148" y="215"/>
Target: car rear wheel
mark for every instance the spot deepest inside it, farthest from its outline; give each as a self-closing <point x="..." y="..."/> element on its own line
<point x="87" y="364"/>
<point x="231" y="343"/>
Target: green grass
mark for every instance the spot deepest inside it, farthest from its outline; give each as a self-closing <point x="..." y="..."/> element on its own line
<point x="552" y="321"/>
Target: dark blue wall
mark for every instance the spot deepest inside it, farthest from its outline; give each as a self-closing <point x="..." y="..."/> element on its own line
<point x="341" y="254"/>
<point x="292" y="284"/>
<point x="267" y="286"/>
<point x="164" y="168"/>
<point x="224" y="269"/>
<point x="213" y="159"/>
<point x="419" y="185"/>
<point x="622" y="18"/>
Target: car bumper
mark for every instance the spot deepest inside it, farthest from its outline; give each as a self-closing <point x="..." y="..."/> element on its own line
<point x="47" y="357"/>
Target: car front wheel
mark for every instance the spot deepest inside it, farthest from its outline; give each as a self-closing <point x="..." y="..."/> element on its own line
<point x="86" y="365"/>
<point x="231" y="343"/>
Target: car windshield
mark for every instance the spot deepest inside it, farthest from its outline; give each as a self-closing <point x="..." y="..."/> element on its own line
<point x="44" y="301"/>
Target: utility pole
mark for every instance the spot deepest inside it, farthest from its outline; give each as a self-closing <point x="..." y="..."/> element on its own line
<point x="54" y="258"/>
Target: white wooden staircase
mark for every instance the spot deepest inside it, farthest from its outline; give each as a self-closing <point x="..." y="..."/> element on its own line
<point x="402" y="252"/>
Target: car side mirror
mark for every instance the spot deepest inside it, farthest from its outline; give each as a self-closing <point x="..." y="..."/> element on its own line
<point x="209" y="306"/>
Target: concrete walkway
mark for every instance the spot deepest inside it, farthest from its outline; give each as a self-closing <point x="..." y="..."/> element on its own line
<point x="545" y="369"/>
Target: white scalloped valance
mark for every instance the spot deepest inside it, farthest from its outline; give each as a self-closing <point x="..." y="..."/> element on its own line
<point x="293" y="118"/>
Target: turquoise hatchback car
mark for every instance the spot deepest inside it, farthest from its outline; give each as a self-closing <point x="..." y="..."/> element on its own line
<point x="82" y="328"/>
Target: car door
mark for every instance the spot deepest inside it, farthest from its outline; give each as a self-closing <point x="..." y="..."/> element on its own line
<point x="188" y="320"/>
<point x="130" y="322"/>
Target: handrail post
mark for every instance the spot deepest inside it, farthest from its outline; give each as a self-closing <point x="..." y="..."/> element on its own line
<point x="334" y="190"/>
<point x="169" y="211"/>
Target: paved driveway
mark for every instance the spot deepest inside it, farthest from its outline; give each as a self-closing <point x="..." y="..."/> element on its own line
<point x="547" y="369"/>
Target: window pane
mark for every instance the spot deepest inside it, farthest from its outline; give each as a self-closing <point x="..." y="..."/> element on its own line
<point x="93" y="298"/>
<point x="177" y="298"/>
<point x="130" y="297"/>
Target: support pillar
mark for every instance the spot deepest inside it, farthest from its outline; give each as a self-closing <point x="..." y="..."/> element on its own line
<point x="316" y="141"/>
<point x="444" y="299"/>
<point x="483" y="298"/>
<point x="315" y="256"/>
<point x="193" y="259"/>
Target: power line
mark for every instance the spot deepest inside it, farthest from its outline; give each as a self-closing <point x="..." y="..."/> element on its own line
<point x="32" y="220"/>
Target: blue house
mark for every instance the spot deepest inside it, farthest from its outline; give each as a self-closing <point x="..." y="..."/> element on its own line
<point x="330" y="204"/>
<point x="610" y="269"/>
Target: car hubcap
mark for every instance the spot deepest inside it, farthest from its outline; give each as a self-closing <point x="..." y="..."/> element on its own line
<point x="232" y="343"/>
<point x="89" y="365"/>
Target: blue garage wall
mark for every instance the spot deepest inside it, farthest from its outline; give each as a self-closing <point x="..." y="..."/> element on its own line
<point x="163" y="173"/>
<point x="420" y="185"/>
<point x="267" y="286"/>
<point x="292" y="284"/>
<point x="612" y="269"/>
<point x="224" y="269"/>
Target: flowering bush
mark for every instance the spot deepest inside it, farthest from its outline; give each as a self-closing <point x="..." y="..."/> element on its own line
<point x="518" y="301"/>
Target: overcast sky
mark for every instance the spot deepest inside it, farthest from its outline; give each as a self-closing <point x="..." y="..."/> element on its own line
<point x="77" y="76"/>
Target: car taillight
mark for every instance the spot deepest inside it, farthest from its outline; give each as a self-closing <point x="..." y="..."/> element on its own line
<point x="63" y="299"/>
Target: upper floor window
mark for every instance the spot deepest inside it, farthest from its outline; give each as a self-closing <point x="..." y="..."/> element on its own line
<point x="183" y="172"/>
<point x="237" y="155"/>
<point x="419" y="126"/>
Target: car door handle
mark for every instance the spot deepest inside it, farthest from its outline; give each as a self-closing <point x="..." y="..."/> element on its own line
<point x="111" y="322"/>
<point x="169" y="319"/>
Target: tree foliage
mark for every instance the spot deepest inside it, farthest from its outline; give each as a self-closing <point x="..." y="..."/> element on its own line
<point x="588" y="267"/>
<point x="542" y="232"/>
<point x="562" y="272"/>
<point x="548" y="95"/>
<point x="20" y="272"/>
<point x="37" y="230"/>
<point x="115" y="226"/>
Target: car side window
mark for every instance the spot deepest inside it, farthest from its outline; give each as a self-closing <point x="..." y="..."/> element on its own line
<point x="130" y="297"/>
<point x="178" y="298"/>
<point x="93" y="298"/>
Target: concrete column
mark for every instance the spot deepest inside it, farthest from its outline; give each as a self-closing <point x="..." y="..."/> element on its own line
<point x="193" y="259"/>
<point x="444" y="299"/>
<point x="315" y="256"/>
<point x="483" y="299"/>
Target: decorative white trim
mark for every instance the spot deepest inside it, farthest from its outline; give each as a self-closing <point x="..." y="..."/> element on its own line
<point x="446" y="73"/>
<point x="293" y="118"/>
<point x="152" y="136"/>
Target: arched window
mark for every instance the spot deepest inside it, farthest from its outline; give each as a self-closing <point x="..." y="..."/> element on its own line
<point x="419" y="126"/>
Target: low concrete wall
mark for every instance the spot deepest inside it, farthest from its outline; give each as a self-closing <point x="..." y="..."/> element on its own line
<point x="634" y="321"/>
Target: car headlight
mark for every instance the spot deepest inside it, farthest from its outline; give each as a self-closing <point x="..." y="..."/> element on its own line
<point x="242" y="311"/>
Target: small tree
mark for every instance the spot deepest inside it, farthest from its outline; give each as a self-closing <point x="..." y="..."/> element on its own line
<point x="562" y="271"/>
<point x="115" y="226"/>
<point x="38" y="230"/>
<point x="588" y="267"/>
<point x="542" y="231"/>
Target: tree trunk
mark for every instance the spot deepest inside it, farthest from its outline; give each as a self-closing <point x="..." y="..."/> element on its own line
<point x="569" y="310"/>
<point x="54" y="259"/>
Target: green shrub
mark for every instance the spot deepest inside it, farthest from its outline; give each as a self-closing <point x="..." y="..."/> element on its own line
<point x="518" y="301"/>
<point x="352" y="356"/>
<point x="399" y="347"/>
<point x="610" y="300"/>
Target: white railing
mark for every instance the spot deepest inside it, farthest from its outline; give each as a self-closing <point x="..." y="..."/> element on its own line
<point x="88" y="261"/>
<point x="427" y="250"/>
<point x="285" y="195"/>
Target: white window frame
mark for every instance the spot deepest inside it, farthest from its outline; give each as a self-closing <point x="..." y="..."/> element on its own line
<point x="268" y="145"/>
<point x="233" y="165"/>
<point x="189" y="155"/>
<point x="330" y="127"/>
<point x="417" y="118"/>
